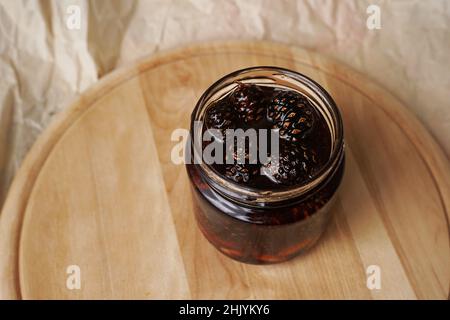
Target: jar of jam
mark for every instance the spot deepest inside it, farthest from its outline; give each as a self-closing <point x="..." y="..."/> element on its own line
<point x="270" y="207"/>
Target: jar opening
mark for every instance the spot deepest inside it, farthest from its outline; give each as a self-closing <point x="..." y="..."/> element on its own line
<point x="277" y="78"/>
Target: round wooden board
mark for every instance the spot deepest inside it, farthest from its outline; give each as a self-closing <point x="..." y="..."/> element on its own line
<point x="98" y="190"/>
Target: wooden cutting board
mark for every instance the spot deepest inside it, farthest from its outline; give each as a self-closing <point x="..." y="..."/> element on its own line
<point x="98" y="190"/>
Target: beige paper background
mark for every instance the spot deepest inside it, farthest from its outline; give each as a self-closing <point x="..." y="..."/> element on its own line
<point x="44" y="65"/>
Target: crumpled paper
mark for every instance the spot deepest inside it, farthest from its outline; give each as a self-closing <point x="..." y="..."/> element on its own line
<point x="47" y="58"/>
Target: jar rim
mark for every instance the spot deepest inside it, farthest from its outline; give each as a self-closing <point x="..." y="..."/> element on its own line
<point x="248" y="194"/>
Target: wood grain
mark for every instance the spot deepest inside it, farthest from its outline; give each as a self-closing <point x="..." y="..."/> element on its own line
<point x="99" y="190"/>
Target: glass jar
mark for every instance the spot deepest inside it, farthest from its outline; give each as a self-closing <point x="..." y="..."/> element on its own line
<point x="259" y="225"/>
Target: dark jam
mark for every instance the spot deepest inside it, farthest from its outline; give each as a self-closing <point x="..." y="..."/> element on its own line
<point x="275" y="232"/>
